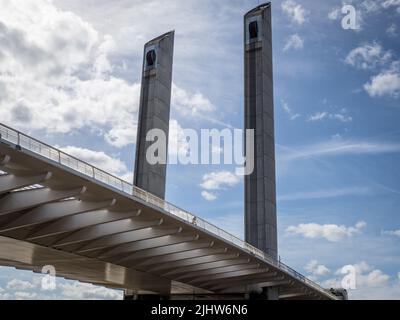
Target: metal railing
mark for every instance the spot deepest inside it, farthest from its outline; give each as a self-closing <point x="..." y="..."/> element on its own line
<point x="97" y="174"/>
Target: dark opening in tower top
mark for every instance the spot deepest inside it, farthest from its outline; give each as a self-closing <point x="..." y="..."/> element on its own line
<point x="151" y="58"/>
<point x="253" y="30"/>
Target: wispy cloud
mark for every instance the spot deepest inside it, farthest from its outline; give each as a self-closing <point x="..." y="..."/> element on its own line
<point x="319" y="116"/>
<point x="324" y="194"/>
<point x="391" y="31"/>
<point x="395" y="233"/>
<point x="365" y="9"/>
<point x="294" y="42"/>
<point x="295" y="11"/>
<point x="292" y="115"/>
<point x="233" y="223"/>
<point x="368" y="56"/>
<point x="324" y="115"/>
<point x="334" y="14"/>
<point x="336" y="148"/>
<point x="208" y="196"/>
<point x="190" y="104"/>
<point x="391" y="3"/>
<point x="316" y="269"/>
<point x="371" y="56"/>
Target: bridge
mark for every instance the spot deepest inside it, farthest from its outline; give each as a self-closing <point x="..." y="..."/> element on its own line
<point x="96" y="228"/>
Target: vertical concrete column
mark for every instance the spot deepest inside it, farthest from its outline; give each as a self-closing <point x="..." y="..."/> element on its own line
<point x="154" y="112"/>
<point x="260" y="188"/>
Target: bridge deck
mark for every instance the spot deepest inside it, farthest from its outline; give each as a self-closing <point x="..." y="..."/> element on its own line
<point x="94" y="227"/>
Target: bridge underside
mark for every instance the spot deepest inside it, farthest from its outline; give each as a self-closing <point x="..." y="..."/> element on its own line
<point x="91" y="232"/>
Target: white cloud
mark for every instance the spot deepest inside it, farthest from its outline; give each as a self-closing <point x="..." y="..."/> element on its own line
<point x="189" y="105"/>
<point x="194" y="24"/>
<point x="360" y="267"/>
<point x="395" y="233"/>
<point x="219" y="180"/>
<point x="121" y="136"/>
<point x="208" y="196"/>
<point x="366" y="275"/>
<point x="4" y="295"/>
<point x="21" y="295"/>
<point x="19" y="285"/>
<point x="80" y="291"/>
<point x="330" y="232"/>
<point x="295" y="12"/>
<point x="99" y="159"/>
<point x="368" y="56"/>
<point x="324" y="194"/>
<point x="371" y="56"/>
<point x="57" y="76"/>
<point x="294" y="42"/>
<point x="316" y="269"/>
<point x="371" y="283"/>
<point x="384" y="84"/>
<point x="292" y="115"/>
<point x="194" y="106"/>
<point x="17" y="289"/>
<point x="177" y="142"/>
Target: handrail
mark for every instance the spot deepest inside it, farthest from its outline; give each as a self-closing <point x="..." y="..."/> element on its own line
<point x="51" y="153"/>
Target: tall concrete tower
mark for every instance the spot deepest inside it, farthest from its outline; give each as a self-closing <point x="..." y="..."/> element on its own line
<point x="154" y="112"/>
<point x="260" y="189"/>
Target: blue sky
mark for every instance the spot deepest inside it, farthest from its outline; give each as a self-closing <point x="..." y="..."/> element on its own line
<point x="70" y="75"/>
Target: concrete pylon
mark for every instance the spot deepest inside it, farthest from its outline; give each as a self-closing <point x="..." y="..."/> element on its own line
<point x="154" y="112"/>
<point x="260" y="188"/>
